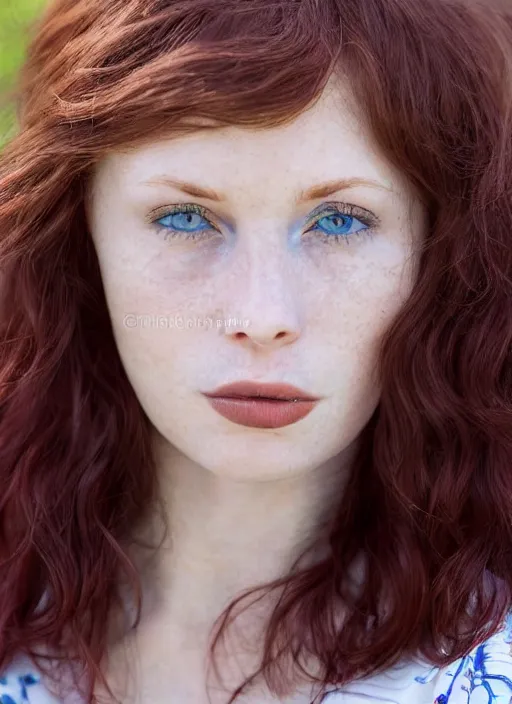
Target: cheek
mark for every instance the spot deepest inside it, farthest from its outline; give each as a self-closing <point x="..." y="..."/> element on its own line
<point x="355" y="306"/>
<point x="143" y="299"/>
<point x="160" y="363"/>
<point x="349" y="324"/>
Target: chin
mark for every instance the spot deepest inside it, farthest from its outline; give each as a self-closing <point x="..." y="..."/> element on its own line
<point x="245" y="462"/>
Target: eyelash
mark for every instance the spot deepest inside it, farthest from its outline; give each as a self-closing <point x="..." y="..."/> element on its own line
<point x="325" y="210"/>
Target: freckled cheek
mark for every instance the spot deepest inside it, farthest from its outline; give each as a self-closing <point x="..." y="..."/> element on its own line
<point x="149" y="293"/>
<point x="366" y="291"/>
<point x="363" y="298"/>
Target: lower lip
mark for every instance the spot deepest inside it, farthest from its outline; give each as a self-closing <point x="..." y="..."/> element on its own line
<point x="261" y="413"/>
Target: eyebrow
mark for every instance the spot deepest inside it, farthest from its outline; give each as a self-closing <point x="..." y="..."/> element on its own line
<point x="322" y="190"/>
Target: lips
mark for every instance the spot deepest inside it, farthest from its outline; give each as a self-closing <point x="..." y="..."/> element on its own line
<point x="257" y="405"/>
<point x="251" y="389"/>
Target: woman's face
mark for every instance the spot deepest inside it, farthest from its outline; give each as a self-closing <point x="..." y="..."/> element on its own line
<point x="259" y="278"/>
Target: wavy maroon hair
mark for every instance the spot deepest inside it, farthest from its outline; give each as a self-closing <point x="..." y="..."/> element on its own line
<point x="429" y="502"/>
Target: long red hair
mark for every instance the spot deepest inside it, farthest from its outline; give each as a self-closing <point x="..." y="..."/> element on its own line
<point x="429" y="502"/>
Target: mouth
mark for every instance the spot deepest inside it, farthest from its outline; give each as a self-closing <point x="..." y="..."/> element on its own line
<point x="261" y="405"/>
<point x="254" y="390"/>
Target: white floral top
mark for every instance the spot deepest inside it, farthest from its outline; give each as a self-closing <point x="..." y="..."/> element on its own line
<point x="482" y="677"/>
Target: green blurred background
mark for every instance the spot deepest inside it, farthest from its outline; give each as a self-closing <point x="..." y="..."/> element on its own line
<point x="15" y="19"/>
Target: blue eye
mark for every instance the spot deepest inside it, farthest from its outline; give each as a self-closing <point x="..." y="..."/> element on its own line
<point x="187" y="219"/>
<point x="337" y="225"/>
<point x="191" y="222"/>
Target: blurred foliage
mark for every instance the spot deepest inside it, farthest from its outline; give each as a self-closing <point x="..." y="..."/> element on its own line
<point x="16" y="17"/>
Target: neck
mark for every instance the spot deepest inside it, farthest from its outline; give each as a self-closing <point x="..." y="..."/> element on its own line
<point x="224" y="537"/>
<point x="227" y="535"/>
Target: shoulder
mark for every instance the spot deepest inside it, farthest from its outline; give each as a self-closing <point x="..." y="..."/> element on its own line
<point x="484" y="676"/>
<point x="21" y="683"/>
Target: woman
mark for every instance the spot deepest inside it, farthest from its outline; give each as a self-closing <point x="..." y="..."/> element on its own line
<point x="257" y="285"/>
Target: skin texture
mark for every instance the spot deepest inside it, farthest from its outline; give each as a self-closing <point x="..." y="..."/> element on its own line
<point x="242" y="501"/>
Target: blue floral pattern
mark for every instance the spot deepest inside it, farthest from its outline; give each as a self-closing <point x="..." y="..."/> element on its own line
<point x="14" y="688"/>
<point x="485" y="675"/>
<point x="482" y="677"/>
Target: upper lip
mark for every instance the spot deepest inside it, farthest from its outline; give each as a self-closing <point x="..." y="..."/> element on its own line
<point x="252" y="389"/>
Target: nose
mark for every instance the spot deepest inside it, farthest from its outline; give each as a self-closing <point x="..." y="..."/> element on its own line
<point x="263" y="335"/>
<point x="267" y="306"/>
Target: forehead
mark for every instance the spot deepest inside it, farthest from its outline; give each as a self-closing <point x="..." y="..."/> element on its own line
<point x="327" y="141"/>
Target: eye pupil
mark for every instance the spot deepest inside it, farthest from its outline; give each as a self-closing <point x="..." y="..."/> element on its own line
<point x="335" y="221"/>
<point x="183" y="220"/>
